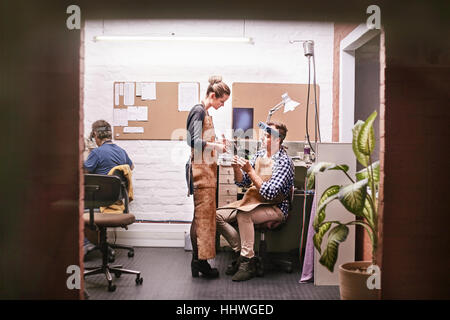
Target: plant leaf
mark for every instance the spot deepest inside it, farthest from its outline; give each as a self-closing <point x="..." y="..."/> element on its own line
<point x="365" y="173"/>
<point x="363" y="159"/>
<point x="337" y="235"/>
<point x="320" y="167"/>
<point x="318" y="236"/>
<point x="327" y="196"/>
<point x="313" y="170"/>
<point x="342" y="167"/>
<point x="353" y="196"/>
<point x="318" y="219"/>
<point x="366" y="136"/>
<point x="310" y="181"/>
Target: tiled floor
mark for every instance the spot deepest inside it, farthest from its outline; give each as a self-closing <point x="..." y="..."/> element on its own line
<point x="167" y="276"/>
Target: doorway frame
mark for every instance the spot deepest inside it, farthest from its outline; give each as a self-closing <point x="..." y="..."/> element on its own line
<point x="354" y="40"/>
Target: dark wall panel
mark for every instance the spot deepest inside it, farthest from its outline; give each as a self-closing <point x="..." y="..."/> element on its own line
<point x="40" y="157"/>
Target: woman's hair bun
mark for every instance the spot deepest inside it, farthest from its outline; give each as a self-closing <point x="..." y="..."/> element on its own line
<point x="215" y="79"/>
<point x="217" y="86"/>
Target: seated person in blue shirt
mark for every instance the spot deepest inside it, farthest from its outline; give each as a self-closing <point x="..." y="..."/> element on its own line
<point x="102" y="159"/>
<point x="108" y="155"/>
<point x="271" y="172"/>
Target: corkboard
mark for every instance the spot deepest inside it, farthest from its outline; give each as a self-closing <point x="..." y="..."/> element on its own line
<point x="264" y="96"/>
<point x="165" y="122"/>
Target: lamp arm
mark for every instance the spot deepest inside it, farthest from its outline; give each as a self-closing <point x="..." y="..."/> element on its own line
<point x="273" y="110"/>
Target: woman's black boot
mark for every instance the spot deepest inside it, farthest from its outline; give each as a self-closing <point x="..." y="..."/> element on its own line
<point x="203" y="267"/>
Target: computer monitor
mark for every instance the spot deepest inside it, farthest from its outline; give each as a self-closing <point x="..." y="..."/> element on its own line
<point x="243" y="122"/>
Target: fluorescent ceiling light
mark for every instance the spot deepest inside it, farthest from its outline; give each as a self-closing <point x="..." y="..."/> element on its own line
<point x="173" y="38"/>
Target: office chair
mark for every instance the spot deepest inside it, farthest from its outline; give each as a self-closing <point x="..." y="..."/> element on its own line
<point x="263" y="261"/>
<point x="102" y="191"/>
<point x="123" y="196"/>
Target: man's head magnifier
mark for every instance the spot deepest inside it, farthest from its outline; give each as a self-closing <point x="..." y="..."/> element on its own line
<point x="273" y="132"/>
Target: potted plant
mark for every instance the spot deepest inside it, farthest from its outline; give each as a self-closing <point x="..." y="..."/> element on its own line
<point x="360" y="199"/>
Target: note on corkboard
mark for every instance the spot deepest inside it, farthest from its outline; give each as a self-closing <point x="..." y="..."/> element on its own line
<point x="153" y="113"/>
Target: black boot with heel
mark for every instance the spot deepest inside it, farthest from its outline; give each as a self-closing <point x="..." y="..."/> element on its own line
<point x="203" y="267"/>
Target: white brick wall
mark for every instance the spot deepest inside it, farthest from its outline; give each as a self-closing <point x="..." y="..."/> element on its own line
<point x="159" y="178"/>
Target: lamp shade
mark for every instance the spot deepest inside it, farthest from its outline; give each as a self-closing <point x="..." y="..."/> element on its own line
<point x="289" y="104"/>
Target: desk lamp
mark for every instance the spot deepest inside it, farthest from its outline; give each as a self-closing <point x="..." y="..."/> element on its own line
<point x="287" y="102"/>
<point x="289" y="105"/>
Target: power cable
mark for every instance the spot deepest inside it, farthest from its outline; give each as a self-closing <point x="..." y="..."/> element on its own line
<point x="307" y="102"/>
<point x="315" y="101"/>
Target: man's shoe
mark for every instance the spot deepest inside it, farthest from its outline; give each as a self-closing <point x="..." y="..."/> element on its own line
<point x="233" y="267"/>
<point x="247" y="269"/>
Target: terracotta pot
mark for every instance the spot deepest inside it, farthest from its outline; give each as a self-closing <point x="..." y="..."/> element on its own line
<point x="353" y="284"/>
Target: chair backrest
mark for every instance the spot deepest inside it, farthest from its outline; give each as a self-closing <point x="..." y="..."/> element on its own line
<point x="100" y="190"/>
<point x="124" y="188"/>
<point x="121" y="175"/>
<point x="299" y="177"/>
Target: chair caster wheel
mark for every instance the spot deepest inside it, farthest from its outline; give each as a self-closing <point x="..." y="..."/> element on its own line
<point x="117" y="274"/>
<point x="111" y="287"/>
<point x="130" y="254"/>
<point x="111" y="259"/>
<point x="139" y="280"/>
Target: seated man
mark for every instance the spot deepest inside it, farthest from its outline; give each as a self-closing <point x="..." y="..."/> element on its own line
<point x="108" y="155"/>
<point x="272" y="173"/>
<point x="102" y="159"/>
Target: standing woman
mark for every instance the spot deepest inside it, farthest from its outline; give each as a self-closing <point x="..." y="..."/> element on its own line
<point x="201" y="174"/>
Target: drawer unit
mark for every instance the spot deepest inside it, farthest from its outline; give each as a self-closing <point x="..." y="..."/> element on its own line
<point x="226" y="178"/>
<point x="227" y="190"/>
<point x="226" y="170"/>
<point x="224" y="200"/>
